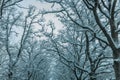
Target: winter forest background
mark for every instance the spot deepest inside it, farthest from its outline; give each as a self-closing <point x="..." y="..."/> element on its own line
<point x="59" y="40"/>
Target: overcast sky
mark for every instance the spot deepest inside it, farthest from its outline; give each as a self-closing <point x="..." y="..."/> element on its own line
<point x="46" y="6"/>
<point x="39" y="6"/>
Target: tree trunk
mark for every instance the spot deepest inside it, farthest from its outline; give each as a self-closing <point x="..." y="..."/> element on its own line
<point x="10" y="74"/>
<point x="92" y="76"/>
<point x="116" y="65"/>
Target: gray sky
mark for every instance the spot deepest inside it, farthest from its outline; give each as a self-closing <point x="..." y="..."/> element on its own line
<point x="45" y="6"/>
<point x="41" y="6"/>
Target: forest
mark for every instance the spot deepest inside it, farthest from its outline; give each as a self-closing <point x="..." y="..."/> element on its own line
<point x="59" y="40"/>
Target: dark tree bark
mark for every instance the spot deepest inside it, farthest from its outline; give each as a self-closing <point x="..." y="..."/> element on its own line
<point x="116" y="65"/>
<point x="113" y="38"/>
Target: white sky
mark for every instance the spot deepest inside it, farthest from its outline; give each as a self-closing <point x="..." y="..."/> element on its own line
<point x="41" y="6"/>
<point x="45" y="6"/>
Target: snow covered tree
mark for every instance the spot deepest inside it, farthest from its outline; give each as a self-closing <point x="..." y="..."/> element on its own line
<point x="109" y="10"/>
<point x="99" y="17"/>
<point x="4" y="4"/>
<point x="20" y="47"/>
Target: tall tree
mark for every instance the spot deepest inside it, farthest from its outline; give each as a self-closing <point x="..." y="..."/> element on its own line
<point x="109" y="9"/>
<point x="105" y="22"/>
